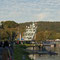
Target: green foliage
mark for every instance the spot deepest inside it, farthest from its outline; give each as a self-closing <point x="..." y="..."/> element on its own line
<point x="19" y="52"/>
<point x="45" y="30"/>
<point x="9" y="24"/>
<point x="49" y="26"/>
<point x="7" y="34"/>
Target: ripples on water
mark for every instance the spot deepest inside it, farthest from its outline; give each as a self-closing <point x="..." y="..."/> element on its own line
<point x="47" y="57"/>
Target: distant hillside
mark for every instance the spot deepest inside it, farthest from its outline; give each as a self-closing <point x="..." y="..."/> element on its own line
<point x="52" y="26"/>
<point x="45" y="30"/>
<point x="42" y="26"/>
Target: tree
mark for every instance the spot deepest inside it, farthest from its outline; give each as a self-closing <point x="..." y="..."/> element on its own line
<point x="40" y="36"/>
<point x="9" y="24"/>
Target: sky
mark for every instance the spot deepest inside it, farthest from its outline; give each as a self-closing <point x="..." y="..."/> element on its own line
<point x="29" y="10"/>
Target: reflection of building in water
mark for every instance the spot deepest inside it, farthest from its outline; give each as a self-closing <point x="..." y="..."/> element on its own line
<point x="30" y="32"/>
<point x="34" y="56"/>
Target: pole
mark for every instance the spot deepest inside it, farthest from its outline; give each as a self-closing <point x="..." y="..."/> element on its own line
<point x="20" y="36"/>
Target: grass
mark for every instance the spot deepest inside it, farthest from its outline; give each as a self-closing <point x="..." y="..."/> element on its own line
<point x="19" y="52"/>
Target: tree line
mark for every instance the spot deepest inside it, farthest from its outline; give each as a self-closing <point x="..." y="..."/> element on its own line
<point x="45" y="30"/>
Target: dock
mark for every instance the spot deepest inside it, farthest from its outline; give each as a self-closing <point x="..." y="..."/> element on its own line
<point x="41" y="52"/>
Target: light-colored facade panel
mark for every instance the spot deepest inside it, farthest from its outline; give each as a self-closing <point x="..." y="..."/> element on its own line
<point x="30" y="32"/>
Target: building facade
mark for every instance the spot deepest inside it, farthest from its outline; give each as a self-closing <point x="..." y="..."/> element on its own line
<point x="30" y="32"/>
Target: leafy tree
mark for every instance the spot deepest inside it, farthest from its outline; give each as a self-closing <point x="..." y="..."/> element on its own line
<point x="10" y="24"/>
<point x="45" y="30"/>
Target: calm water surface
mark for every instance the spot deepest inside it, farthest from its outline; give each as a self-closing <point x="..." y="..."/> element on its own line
<point x="47" y="57"/>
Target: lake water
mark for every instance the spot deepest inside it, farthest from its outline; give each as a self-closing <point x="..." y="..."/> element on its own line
<point x="47" y="57"/>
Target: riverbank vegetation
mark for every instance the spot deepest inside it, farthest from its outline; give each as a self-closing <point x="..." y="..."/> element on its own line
<point x="10" y="30"/>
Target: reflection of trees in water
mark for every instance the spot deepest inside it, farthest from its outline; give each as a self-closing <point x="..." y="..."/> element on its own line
<point x="57" y="49"/>
<point x="47" y="57"/>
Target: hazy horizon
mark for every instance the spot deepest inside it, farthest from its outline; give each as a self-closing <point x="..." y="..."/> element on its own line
<point x="29" y="21"/>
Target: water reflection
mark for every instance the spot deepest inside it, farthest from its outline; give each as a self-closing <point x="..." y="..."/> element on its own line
<point x="47" y="57"/>
<point x="44" y="57"/>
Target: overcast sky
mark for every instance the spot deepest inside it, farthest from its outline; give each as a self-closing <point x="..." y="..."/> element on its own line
<point x="30" y="10"/>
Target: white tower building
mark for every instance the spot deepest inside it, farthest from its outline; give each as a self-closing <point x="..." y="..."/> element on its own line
<point x="30" y="32"/>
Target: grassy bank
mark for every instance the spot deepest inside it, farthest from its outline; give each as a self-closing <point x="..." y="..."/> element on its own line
<point x="19" y="53"/>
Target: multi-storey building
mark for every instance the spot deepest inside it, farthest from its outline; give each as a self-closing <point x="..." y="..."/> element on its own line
<point x="30" y="32"/>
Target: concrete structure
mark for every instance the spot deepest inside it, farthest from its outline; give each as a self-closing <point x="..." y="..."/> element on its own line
<point x="30" y="32"/>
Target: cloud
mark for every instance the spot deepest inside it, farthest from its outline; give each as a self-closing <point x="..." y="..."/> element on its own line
<point x="41" y="16"/>
<point x="29" y="10"/>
